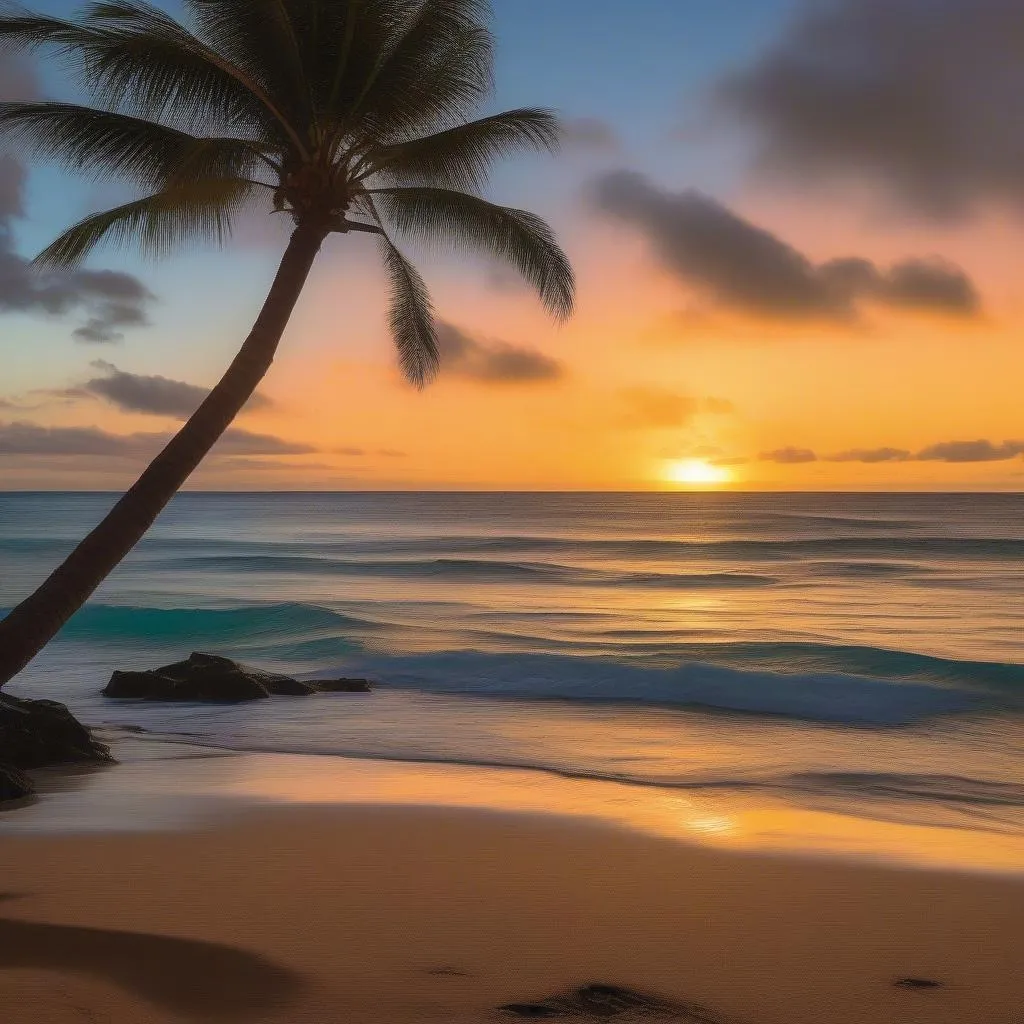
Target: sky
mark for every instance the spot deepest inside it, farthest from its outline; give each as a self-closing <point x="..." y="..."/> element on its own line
<point x="795" y="226"/>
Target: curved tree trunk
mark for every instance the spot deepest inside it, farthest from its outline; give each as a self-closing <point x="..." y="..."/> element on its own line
<point x="34" y="622"/>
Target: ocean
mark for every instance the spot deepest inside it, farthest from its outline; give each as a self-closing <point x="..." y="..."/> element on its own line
<point x="858" y="654"/>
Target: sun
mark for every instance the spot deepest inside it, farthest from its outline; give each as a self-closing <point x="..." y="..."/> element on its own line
<point x="696" y="472"/>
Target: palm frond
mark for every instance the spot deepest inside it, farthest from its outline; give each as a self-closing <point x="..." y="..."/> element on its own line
<point x="410" y="317"/>
<point x="196" y="211"/>
<point x="516" y="236"/>
<point x="429" y="74"/>
<point x="105" y="143"/>
<point x="461" y="157"/>
<point x="265" y="39"/>
<point x="134" y="58"/>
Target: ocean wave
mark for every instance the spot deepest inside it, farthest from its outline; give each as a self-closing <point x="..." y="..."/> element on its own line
<point x="297" y="630"/>
<point x="456" y="569"/>
<point x="819" y="697"/>
<point x="623" y="548"/>
<point x="866" y="570"/>
<point x="287" y="622"/>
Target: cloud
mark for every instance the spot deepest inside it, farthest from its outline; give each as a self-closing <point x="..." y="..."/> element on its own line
<point x="158" y="396"/>
<point x="658" y="408"/>
<point x="971" y="451"/>
<point x="943" y="451"/>
<point x="109" y="301"/>
<point x="233" y="463"/>
<point x="590" y="134"/>
<point x="870" y="455"/>
<point x="243" y="442"/>
<point x="922" y="97"/>
<point x="22" y="438"/>
<point x="747" y="268"/>
<point x="32" y="439"/>
<point x="493" y="362"/>
<point x="789" y="456"/>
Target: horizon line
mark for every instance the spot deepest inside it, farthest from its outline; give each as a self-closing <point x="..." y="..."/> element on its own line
<point x="515" y="490"/>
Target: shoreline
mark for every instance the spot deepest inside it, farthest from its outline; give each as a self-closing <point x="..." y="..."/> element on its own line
<point x="163" y="782"/>
<point x="192" y="883"/>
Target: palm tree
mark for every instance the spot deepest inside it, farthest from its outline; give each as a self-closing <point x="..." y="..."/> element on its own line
<point x="346" y="115"/>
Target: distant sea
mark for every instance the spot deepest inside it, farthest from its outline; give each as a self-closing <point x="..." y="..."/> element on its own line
<point x="857" y="653"/>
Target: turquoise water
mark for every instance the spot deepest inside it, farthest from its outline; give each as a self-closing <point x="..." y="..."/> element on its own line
<point x="861" y="652"/>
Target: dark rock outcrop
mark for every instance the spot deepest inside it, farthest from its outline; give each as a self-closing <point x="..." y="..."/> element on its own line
<point x="14" y="783"/>
<point x="38" y="734"/>
<point x="210" y="677"/>
<point x="343" y="685"/>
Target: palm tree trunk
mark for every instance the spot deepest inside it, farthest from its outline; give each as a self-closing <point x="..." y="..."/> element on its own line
<point x="34" y="622"/>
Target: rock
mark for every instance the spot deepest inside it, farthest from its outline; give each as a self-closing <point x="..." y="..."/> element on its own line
<point x="40" y="733"/>
<point x="210" y="677"/>
<point x="917" y="983"/>
<point x="343" y="685"/>
<point x="14" y="783"/>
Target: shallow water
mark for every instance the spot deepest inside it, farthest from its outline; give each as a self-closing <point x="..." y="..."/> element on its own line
<point x="862" y="653"/>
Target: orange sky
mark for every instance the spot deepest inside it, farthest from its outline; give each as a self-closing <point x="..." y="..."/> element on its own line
<point x="655" y="368"/>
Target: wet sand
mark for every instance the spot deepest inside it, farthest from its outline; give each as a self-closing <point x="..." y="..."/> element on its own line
<point x="269" y="895"/>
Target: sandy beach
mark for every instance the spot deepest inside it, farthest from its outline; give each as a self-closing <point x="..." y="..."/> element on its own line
<point x="189" y="884"/>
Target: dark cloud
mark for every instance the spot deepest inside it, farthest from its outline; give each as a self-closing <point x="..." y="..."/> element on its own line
<point x="493" y="362"/>
<point x="159" y="396"/>
<point x="944" y="451"/>
<point x="971" y="451"/>
<point x="659" y="408"/>
<point x="870" y="455"/>
<point x="244" y="442"/>
<point x="32" y="439"/>
<point x="920" y="96"/>
<point x="590" y="134"/>
<point x="748" y="268"/>
<point x="231" y="463"/>
<point x="24" y="438"/>
<point x="789" y="456"/>
<point x="108" y="300"/>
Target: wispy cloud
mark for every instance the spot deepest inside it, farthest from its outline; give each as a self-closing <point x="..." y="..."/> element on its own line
<point x="747" y="268"/>
<point x="789" y="456"/>
<point x="106" y="302"/>
<point x="493" y="362"/>
<point x="590" y="134"/>
<point x="155" y="395"/>
<point x="652" y="407"/>
<point x="919" y="96"/>
<point x="942" y="451"/>
<point x="24" y="438"/>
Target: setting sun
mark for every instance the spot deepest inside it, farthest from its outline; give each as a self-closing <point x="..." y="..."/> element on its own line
<point x="696" y="471"/>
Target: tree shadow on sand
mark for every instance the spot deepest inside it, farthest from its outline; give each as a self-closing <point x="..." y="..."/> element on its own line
<point x="186" y="976"/>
